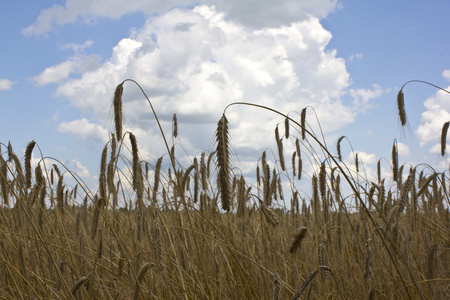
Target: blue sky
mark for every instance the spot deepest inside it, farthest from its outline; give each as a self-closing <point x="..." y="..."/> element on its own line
<point x="61" y="61"/>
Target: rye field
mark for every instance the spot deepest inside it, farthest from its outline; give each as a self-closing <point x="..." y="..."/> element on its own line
<point x="157" y="229"/>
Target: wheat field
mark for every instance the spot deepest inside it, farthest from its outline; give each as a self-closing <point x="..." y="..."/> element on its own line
<point x="160" y="230"/>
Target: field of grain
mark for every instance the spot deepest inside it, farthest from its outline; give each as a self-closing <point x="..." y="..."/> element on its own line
<point x="160" y="230"/>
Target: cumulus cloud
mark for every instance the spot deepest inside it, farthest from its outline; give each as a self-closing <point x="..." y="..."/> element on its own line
<point x="62" y="71"/>
<point x="362" y="97"/>
<point x="253" y="13"/>
<point x="446" y="74"/>
<point x="80" y="169"/>
<point x="194" y="62"/>
<point x="54" y="73"/>
<point x="85" y="130"/>
<point x="267" y="13"/>
<point x="366" y="164"/>
<point x="6" y="84"/>
<point x="436" y="114"/>
<point x="403" y="150"/>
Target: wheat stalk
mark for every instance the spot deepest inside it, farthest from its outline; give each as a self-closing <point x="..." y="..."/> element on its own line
<point x="267" y="184"/>
<point x="223" y="162"/>
<point x="300" y="165"/>
<point x="157" y="177"/>
<point x="310" y="278"/>
<point x="337" y="189"/>
<point x="338" y="146"/>
<point x="60" y="194"/>
<point x="286" y="128"/>
<point x="322" y="252"/>
<point x="273" y="186"/>
<point x="138" y="180"/>
<point x="379" y="170"/>
<point x="303" y="123"/>
<point x="401" y="100"/>
<point x="157" y="242"/>
<point x="196" y="180"/>
<point x="367" y="259"/>
<point x="241" y="198"/>
<point x="98" y="204"/>
<point x="395" y="169"/>
<point x="111" y="165"/>
<point x="322" y="181"/>
<point x="18" y="166"/>
<point x="4" y="181"/>
<point x="299" y="154"/>
<point x="80" y="282"/>
<point x="425" y="184"/>
<point x="444" y="137"/>
<point x="280" y="188"/>
<point x="276" y="293"/>
<point x="269" y="214"/>
<point x="293" y="162"/>
<point x="117" y="104"/>
<point x="203" y="174"/>
<point x="141" y="274"/>
<point x="401" y="107"/>
<point x="315" y="200"/>
<point x="299" y="236"/>
<point x="280" y="149"/>
<point x="28" y="152"/>
<point x="174" y="126"/>
<point x="102" y="178"/>
<point x="186" y="175"/>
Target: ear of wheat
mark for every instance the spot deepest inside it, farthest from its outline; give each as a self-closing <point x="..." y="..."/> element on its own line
<point x="299" y="236"/>
<point x="401" y="107"/>
<point x="303" y="123"/>
<point x="28" y="152"/>
<point x="223" y="162"/>
<point x="338" y="146"/>
<point x="117" y="104"/>
<point x="444" y="137"/>
<point x="174" y="126"/>
<point x="395" y="169"/>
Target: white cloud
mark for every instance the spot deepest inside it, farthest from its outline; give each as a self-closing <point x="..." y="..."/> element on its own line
<point x="6" y="84"/>
<point x="268" y="13"/>
<point x="196" y="67"/>
<point x="54" y="73"/>
<point x="356" y="56"/>
<point x="194" y="62"/>
<point x="436" y="114"/>
<point x="362" y="97"/>
<point x="78" y="47"/>
<point x="80" y="169"/>
<point x="84" y="130"/>
<point x="366" y="164"/>
<point x="403" y="150"/>
<point x="62" y="71"/>
<point x="367" y="158"/>
<point x="253" y="13"/>
<point x="446" y="74"/>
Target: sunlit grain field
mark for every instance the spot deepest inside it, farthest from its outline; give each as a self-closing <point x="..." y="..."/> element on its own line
<point x="161" y="230"/>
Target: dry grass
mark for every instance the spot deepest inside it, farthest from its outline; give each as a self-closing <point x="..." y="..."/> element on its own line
<point x="179" y="235"/>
